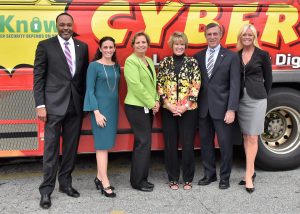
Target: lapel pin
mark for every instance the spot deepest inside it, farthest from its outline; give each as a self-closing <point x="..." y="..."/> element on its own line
<point x="77" y="45"/>
<point x="221" y="55"/>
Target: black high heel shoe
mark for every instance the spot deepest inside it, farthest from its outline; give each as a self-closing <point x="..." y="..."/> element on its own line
<point x="250" y="190"/>
<point x="109" y="195"/>
<point x="99" y="185"/>
<point x="242" y="182"/>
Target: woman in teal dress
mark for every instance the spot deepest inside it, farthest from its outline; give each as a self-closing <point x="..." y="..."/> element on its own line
<point x="102" y="101"/>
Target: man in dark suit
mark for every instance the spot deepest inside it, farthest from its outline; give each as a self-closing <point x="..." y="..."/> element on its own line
<point x="59" y="85"/>
<point x="218" y="101"/>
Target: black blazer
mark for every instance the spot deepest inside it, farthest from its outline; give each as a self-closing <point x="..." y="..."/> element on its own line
<point x="257" y="77"/>
<point x="53" y="82"/>
<point x="221" y="92"/>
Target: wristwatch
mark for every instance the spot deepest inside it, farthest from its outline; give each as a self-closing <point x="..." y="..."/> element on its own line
<point x="187" y="106"/>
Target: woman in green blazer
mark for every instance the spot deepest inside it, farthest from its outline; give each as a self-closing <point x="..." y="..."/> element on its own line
<point x="141" y="103"/>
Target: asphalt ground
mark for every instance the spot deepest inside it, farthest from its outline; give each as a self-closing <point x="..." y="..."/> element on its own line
<point x="276" y="192"/>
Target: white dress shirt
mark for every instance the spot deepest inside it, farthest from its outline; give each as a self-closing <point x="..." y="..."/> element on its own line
<point x="217" y="49"/>
<point x="72" y="49"/>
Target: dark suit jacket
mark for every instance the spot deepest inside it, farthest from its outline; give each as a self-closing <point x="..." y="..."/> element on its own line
<point x="221" y="92"/>
<point x="258" y="74"/>
<point x="53" y="82"/>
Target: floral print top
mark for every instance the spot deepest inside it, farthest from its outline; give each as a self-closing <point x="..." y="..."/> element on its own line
<point x="182" y="87"/>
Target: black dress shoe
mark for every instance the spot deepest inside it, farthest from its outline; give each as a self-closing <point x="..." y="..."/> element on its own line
<point x="45" y="202"/>
<point x="250" y="190"/>
<point x="144" y="188"/>
<point x="70" y="191"/>
<point x="150" y="184"/>
<point x="206" y="180"/>
<point x="224" y="184"/>
<point x="242" y="182"/>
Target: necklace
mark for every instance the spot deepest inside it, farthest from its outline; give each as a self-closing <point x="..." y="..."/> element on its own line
<point x="177" y="60"/>
<point x="143" y="59"/>
<point x="177" y="64"/>
<point x="111" y="89"/>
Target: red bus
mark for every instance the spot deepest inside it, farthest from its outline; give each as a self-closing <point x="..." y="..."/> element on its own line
<point x="24" y="23"/>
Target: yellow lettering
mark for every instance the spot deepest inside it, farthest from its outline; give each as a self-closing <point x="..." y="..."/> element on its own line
<point x="100" y="21"/>
<point x="280" y="20"/>
<point x="197" y="19"/>
<point x="237" y="21"/>
<point x="155" y="21"/>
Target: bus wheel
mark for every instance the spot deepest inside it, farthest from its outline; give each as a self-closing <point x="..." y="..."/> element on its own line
<point x="279" y="145"/>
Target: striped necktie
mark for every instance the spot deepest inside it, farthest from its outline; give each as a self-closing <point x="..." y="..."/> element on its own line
<point x="210" y="62"/>
<point x="68" y="57"/>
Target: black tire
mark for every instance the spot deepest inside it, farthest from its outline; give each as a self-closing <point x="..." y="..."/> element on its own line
<point x="279" y="145"/>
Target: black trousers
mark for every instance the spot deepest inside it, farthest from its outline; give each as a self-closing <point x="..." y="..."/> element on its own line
<point x="69" y="126"/>
<point x="141" y="124"/>
<point x="184" y="129"/>
<point x="207" y="129"/>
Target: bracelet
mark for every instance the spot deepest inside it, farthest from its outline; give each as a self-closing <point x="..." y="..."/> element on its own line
<point x="187" y="106"/>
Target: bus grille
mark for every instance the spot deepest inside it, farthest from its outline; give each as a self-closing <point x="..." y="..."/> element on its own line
<point x="16" y="106"/>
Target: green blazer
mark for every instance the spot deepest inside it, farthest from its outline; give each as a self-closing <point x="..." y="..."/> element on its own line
<point x="141" y="86"/>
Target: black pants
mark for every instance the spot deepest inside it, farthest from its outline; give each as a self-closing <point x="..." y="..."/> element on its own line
<point x="69" y="126"/>
<point x="141" y="124"/>
<point x="207" y="129"/>
<point x="182" y="128"/>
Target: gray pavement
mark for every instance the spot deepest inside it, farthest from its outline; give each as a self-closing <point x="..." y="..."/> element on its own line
<point x="276" y="192"/>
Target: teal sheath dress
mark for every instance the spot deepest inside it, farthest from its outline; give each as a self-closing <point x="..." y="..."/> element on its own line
<point x="102" y="87"/>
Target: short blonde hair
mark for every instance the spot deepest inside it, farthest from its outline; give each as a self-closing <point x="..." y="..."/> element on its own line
<point x="243" y="30"/>
<point x="178" y="36"/>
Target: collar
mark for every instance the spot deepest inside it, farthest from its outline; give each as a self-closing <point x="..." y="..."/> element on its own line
<point x="177" y="58"/>
<point x="62" y="41"/>
<point x="215" y="49"/>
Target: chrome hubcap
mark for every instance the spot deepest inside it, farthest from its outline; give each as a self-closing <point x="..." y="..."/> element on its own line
<point x="281" y="133"/>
